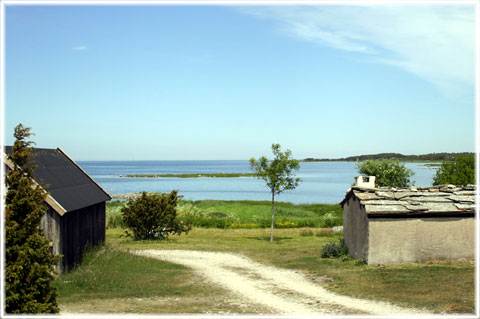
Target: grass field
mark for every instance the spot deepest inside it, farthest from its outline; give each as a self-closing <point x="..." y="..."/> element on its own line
<point x="107" y="278"/>
<point x="244" y="214"/>
<point x="111" y="280"/>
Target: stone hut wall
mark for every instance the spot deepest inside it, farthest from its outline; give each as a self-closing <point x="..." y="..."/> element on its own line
<point x="420" y="239"/>
<point x="355" y="229"/>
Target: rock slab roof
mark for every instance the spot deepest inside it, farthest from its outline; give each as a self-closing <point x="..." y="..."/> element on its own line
<point x="443" y="199"/>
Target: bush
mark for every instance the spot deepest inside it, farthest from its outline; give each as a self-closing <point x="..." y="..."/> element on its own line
<point x="153" y="216"/>
<point x="387" y="172"/>
<point x="459" y="172"/>
<point x="332" y="250"/>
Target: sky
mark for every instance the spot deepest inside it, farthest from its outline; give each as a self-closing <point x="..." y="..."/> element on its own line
<point x="202" y="82"/>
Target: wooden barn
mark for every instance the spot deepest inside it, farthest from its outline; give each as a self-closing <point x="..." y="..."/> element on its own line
<point x="75" y="217"/>
<point x="393" y="225"/>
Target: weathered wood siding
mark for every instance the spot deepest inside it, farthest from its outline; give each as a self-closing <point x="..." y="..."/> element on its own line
<point x="51" y="226"/>
<point x="73" y="232"/>
<point x="82" y="228"/>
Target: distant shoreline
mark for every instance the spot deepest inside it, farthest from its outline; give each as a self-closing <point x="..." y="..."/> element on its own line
<point x="199" y="175"/>
<point x="423" y="158"/>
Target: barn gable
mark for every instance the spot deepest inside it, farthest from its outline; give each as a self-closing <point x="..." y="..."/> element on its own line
<point x="68" y="184"/>
<point x="75" y="218"/>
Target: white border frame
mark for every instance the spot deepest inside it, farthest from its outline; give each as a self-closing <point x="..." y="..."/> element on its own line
<point x="475" y="3"/>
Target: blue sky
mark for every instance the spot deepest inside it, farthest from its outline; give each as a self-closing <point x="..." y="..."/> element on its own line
<point x="225" y="82"/>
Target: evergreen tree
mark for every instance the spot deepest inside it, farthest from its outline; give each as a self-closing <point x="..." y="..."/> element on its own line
<point x="29" y="265"/>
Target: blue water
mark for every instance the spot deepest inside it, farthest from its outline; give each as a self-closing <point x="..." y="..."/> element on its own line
<point x="323" y="182"/>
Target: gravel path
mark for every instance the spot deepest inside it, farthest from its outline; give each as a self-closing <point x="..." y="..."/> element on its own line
<point x="283" y="291"/>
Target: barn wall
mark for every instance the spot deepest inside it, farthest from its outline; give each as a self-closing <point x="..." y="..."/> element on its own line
<point x="51" y="225"/>
<point x="420" y="239"/>
<point x="80" y="229"/>
<point x="355" y="228"/>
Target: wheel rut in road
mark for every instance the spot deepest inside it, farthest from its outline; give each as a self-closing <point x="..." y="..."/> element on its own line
<point x="281" y="290"/>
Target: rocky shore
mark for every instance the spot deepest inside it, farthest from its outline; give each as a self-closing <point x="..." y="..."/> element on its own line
<point x="128" y="196"/>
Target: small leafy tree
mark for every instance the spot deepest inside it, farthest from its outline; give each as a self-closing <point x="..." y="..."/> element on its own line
<point x="29" y="265"/>
<point x="153" y="216"/>
<point x="278" y="174"/>
<point x="387" y="172"/>
<point x="459" y="172"/>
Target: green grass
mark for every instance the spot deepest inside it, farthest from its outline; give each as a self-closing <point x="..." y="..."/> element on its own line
<point x="244" y="214"/>
<point x="98" y="277"/>
<point x="112" y="280"/>
<point x="114" y="214"/>
<point x="192" y="175"/>
<point x="236" y="226"/>
<point x="257" y="214"/>
<point x="437" y="286"/>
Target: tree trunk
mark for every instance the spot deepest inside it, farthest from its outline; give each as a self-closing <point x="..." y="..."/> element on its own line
<point x="273" y="216"/>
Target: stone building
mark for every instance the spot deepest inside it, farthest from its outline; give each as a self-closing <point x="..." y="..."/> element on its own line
<point x="417" y="224"/>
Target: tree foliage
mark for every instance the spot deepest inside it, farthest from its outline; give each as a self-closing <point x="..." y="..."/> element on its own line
<point x="278" y="174"/>
<point x="387" y="172"/>
<point x="153" y="216"/>
<point x="392" y="156"/>
<point x="461" y="171"/>
<point x="29" y="265"/>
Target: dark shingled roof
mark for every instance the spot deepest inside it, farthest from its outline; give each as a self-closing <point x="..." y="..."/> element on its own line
<point x="68" y="184"/>
<point x="435" y="200"/>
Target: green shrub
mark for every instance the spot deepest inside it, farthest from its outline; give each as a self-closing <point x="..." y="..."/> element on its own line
<point x="153" y="216"/>
<point x="387" y="172"/>
<point x="332" y="250"/>
<point x="459" y="172"/>
<point x="360" y="262"/>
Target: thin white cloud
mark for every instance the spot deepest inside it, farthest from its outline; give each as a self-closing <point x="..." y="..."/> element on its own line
<point x="80" y="48"/>
<point x="436" y="43"/>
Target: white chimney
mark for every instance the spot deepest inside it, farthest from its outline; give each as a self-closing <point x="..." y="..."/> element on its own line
<point x="365" y="181"/>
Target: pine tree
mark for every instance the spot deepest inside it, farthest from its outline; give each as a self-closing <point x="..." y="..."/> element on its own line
<point x="29" y="265"/>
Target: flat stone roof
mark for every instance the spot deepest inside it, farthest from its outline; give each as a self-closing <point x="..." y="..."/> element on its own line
<point x="435" y="200"/>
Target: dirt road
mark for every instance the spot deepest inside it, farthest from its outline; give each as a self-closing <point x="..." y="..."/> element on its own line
<point x="283" y="291"/>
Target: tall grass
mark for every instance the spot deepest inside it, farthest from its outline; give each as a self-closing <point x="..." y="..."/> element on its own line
<point x="257" y="214"/>
<point x="114" y="214"/>
<point x="244" y="214"/>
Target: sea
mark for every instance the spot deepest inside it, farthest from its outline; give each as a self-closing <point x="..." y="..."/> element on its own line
<point x="322" y="182"/>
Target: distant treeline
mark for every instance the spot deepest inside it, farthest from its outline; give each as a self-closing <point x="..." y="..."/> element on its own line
<point x="432" y="157"/>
